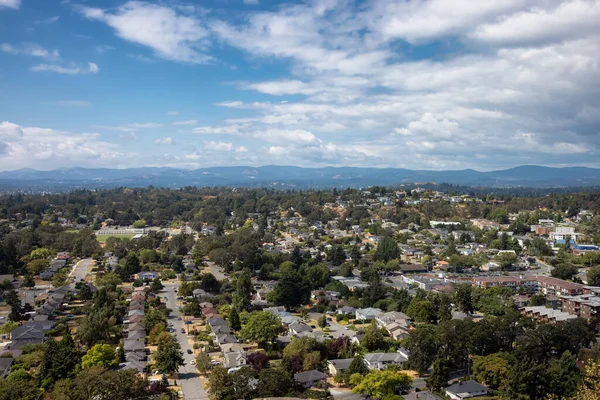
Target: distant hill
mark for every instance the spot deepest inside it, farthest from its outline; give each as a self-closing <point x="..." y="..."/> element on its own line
<point x="292" y="177"/>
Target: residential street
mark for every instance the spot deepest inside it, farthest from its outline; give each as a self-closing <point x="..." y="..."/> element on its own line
<point x="188" y="380"/>
<point x="215" y="270"/>
<point x="79" y="271"/>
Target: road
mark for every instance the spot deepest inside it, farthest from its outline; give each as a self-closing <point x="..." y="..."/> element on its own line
<point x="215" y="270"/>
<point x="79" y="271"/>
<point x="189" y="379"/>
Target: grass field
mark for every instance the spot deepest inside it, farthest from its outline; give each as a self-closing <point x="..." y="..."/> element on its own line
<point x="102" y="238"/>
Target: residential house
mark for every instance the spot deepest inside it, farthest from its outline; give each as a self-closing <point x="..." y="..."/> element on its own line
<point x="234" y="359"/>
<point x="134" y="345"/>
<point x="381" y="360"/>
<point x="368" y="314"/>
<point x="147" y="275"/>
<point x="226" y="338"/>
<point x="297" y="328"/>
<point x="308" y="379"/>
<point x="338" y="366"/>
<point x="31" y="332"/>
<point x="346" y="310"/>
<point x="466" y="390"/>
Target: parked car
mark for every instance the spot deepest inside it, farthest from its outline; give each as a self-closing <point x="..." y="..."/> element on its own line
<point x="182" y="330"/>
<point x="215" y="362"/>
<point x="193" y="362"/>
<point x="189" y="351"/>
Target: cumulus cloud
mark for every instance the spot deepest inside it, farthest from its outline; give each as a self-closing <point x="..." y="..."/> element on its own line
<point x="164" y="141"/>
<point x="173" y="33"/>
<point x="10" y="4"/>
<point x="46" y="148"/>
<point x="218" y="146"/>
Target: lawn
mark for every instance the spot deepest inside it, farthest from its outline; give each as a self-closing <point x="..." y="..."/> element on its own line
<point x="102" y="238"/>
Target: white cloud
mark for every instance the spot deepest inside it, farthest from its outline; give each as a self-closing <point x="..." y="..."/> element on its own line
<point x="173" y="33"/>
<point x="43" y="148"/>
<point x="218" y="146"/>
<point x="73" y="103"/>
<point x="296" y="136"/>
<point x="91" y="69"/>
<point x="10" y="4"/>
<point x="241" y="149"/>
<point x="219" y="130"/>
<point x="164" y="141"/>
<point x="568" y="20"/>
<point x="49" y="20"/>
<point x="29" y="49"/>
<point x="145" y="125"/>
<point x="188" y="122"/>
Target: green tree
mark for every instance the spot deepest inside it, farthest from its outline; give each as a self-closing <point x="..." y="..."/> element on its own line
<point x="317" y="275"/>
<point x="373" y="339"/>
<point x="168" y="356"/>
<point x="108" y="279"/>
<point x="262" y="327"/>
<point x="322" y="321"/>
<point x="387" y="249"/>
<point x="100" y="355"/>
<point x="593" y="276"/>
<point x="243" y="291"/>
<point x="421" y="310"/>
<point x="203" y="362"/>
<point x="440" y="374"/>
<point x="220" y="385"/>
<point x="564" y="271"/>
<point x="234" y="320"/>
<point x="156" y="285"/>
<point x="274" y="382"/>
<point x="357" y="366"/>
<point x="422" y="344"/>
<point x="60" y="359"/>
<point x="563" y="376"/>
<point x="39" y="253"/>
<point x="243" y="383"/>
<point x="492" y="370"/>
<point x="37" y="266"/>
<point x="291" y="290"/>
<point x="140" y="223"/>
<point x="99" y="383"/>
<point x="538" y="299"/>
<point x="11" y="389"/>
<point x="378" y="384"/>
<point x="463" y="295"/>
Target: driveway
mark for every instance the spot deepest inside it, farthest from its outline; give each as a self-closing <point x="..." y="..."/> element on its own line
<point x="189" y="378"/>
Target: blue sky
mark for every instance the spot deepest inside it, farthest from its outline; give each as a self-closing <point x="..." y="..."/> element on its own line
<point x="423" y="84"/>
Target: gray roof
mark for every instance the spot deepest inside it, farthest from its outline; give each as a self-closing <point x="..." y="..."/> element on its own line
<point x="341" y="364"/>
<point x="466" y="387"/>
<point x="298" y="327"/>
<point x="5" y="364"/>
<point x="309" y="376"/>
<point x="133" y="345"/>
<point x="384" y="357"/>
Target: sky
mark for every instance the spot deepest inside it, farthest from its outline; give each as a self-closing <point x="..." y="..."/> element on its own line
<point x="420" y="84"/>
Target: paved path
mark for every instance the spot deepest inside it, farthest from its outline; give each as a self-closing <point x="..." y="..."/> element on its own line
<point x="189" y="379"/>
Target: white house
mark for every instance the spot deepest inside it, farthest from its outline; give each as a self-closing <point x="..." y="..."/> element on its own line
<point x="466" y="390"/>
<point x="382" y="360"/>
<point x="368" y="313"/>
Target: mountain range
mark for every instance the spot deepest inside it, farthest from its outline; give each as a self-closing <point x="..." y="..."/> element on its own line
<point x="292" y="177"/>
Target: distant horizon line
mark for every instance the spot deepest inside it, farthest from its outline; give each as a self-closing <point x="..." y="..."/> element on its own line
<point x="300" y="167"/>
